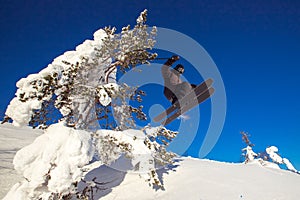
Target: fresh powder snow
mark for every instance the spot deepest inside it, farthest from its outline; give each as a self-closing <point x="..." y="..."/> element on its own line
<point x="188" y="178"/>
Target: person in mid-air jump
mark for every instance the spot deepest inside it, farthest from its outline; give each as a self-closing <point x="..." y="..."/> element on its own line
<point x="175" y="88"/>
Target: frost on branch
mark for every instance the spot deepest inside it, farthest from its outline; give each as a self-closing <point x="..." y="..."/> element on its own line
<point x="157" y="140"/>
<point x="129" y="48"/>
<point x="123" y="112"/>
<point x="146" y="149"/>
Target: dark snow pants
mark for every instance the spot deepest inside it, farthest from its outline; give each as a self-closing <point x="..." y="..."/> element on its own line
<point x="180" y="91"/>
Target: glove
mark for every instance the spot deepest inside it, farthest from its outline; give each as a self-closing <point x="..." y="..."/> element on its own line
<point x="171" y="60"/>
<point x="174" y="58"/>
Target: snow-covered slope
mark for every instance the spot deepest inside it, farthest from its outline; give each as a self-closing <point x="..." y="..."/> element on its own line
<point x="188" y="179"/>
<point x="12" y="139"/>
<point x="209" y="180"/>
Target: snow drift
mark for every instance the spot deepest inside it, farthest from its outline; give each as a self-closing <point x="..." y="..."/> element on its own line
<point x="55" y="158"/>
<point x="188" y="178"/>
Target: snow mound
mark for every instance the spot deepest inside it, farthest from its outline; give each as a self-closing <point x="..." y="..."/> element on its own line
<point x="12" y="139"/>
<point x="55" y="158"/>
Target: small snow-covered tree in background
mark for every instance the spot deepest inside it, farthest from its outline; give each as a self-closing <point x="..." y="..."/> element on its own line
<point x="249" y="154"/>
<point x="268" y="158"/>
<point x="81" y="85"/>
<point x="273" y="155"/>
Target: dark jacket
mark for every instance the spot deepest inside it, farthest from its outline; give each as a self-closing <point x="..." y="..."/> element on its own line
<point x="171" y="79"/>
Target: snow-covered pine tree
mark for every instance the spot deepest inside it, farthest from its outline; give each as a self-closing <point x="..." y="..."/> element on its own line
<point x="269" y="158"/>
<point x="78" y="79"/>
<point x="248" y="153"/>
<point x="82" y="86"/>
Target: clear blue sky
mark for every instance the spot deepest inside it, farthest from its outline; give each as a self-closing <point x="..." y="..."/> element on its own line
<point x="255" y="45"/>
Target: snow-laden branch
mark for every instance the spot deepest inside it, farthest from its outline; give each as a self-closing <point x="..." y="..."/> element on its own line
<point x="75" y="79"/>
<point x="250" y="155"/>
<point x="272" y="151"/>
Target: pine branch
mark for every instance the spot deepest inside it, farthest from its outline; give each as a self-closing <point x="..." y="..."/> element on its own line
<point x="245" y="138"/>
